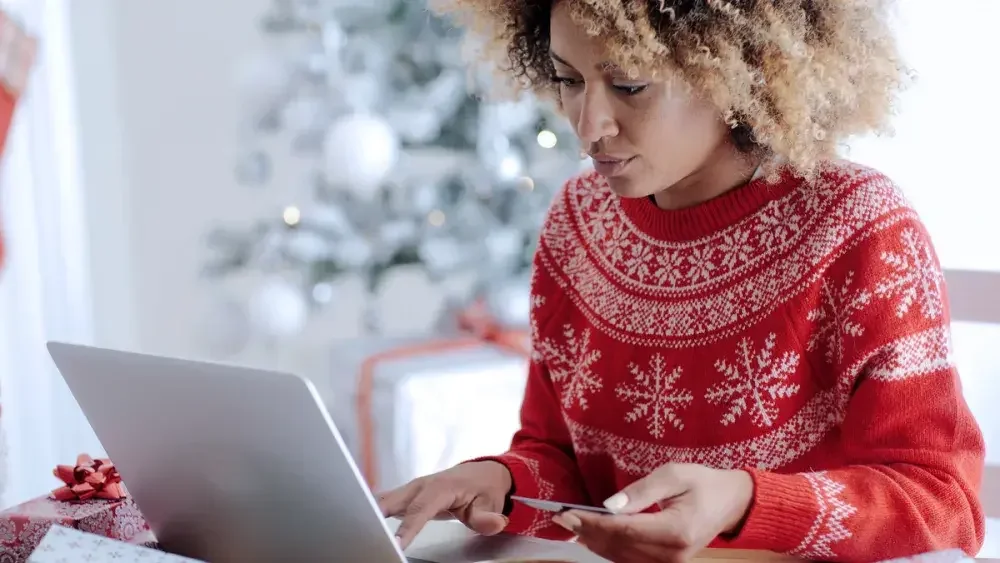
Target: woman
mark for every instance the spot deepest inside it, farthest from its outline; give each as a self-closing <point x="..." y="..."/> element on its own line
<point x="738" y="340"/>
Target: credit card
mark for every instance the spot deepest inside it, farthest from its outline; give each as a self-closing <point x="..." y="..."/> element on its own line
<point x="556" y="506"/>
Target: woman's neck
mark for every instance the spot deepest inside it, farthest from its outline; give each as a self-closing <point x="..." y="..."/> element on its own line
<point x="724" y="170"/>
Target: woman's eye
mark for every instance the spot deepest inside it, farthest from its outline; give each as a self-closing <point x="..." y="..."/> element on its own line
<point x="565" y="81"/>
<point x="631" y="89"/>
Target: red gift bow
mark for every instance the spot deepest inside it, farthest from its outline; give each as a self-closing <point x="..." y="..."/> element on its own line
<point x="90" y="478"/>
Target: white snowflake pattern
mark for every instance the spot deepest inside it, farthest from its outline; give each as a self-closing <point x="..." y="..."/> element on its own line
<point x="856" y="204"/>
<point x="536" y="302"/>
<point x="828" y="527"/>
<point x="814" y="197"/>
<point x="736" y="248"/>
<point x="638" y="263"/>
<point x="590" y="207"/>
<point x="572" y="366"/>
<point x="779" y="222"/>
<point x="834" y="317"/>
<point x="914" y="355"/>
<point x="771" y="449"/>
<point x="915" y="277"/>
<point x="669" y="264"/>
<point x="605" y="213"/>
<point x="654" y="396"/>
<point x="701" y="264"/>
<point x="619" y="245"/>
<point x="546" y="489"/>
<point x="754" y="383"/>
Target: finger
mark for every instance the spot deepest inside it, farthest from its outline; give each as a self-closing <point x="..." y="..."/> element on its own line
<point x="480" y="517"/>
<point x="629" y="528"/>
<point x="592" y="525"/>
<point x="611" y="544"/>
<point x="662" y="484"/>
<point x="394" y="502"/>
<point x="424" y="506"/>
<point x="445" y="515"/>
<point x="643" y="537"/>
<point x="669" y="530"/>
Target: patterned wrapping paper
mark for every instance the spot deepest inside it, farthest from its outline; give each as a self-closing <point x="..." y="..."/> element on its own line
<point x="145" y="538"/>
<point x="23" y="526"/>
<point x="65" y="545"/>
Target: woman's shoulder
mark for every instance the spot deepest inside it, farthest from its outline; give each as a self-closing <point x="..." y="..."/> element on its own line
<point x="587" y="186"/>
<point x="852" y="195"/>
<point x="846" y="178"/>
<point x="581" y="212"/>
<point x="579" y="197"/>
<point x="867" y="211"/>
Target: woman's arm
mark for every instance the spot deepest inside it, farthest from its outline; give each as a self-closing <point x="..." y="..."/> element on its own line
<point x="915" y="458"/>
<point x="913" y="453"/>
<point x="541" y="459"/>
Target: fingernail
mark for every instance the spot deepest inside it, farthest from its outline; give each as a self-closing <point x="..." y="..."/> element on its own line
<point x="506" y="521"/>
<point x="616" y="502"/>
<point x="568" y="521"/>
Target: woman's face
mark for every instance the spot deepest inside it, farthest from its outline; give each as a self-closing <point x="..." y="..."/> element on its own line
<point x="644" y="135"/>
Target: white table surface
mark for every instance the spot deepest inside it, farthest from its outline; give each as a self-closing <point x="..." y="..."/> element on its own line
<point x="451" y="542"/>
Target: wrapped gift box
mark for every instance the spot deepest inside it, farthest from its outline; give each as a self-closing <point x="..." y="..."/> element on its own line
<point x="23" y="526"/>
<point x="62" y="544"/>
<point x="409" y="407"/>
<point x="145" y="538"/>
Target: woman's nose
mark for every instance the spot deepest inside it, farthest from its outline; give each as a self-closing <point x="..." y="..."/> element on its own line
<point x="596" y="119"/>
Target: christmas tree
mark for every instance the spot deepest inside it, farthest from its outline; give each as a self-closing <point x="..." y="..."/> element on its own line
<point x="410" y="163"/>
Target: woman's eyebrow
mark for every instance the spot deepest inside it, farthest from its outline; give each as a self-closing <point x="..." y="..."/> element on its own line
<point x="559" y="59"/>
<point x="606" y="66"/>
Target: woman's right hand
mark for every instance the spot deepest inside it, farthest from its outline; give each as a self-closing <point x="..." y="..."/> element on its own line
<point x="474" y="493"/>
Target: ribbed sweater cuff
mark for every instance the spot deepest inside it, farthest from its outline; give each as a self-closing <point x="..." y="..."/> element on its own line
<point x="782" y="515"/>
<point x="525" y="520"/>
<point x="521" y="517"/>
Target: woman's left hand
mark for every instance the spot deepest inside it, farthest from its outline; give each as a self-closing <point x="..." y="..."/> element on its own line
<point x="697" y="504"/>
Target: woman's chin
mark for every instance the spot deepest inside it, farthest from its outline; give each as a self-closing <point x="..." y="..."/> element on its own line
<point x="625" y="186"/>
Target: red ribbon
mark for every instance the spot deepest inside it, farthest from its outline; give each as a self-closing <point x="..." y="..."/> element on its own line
<point x="89" y="478"/>
<point x="477" y="320"/>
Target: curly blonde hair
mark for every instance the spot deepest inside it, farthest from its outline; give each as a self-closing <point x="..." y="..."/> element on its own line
<point x="794" y="79"/>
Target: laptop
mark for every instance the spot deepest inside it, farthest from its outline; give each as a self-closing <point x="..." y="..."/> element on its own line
<point x="228" y="463"/>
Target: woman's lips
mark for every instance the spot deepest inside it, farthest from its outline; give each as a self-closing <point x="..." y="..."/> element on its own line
<point x="609" y="166"/>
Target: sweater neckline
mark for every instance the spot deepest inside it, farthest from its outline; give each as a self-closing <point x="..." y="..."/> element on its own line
<point x="709" y="217"/>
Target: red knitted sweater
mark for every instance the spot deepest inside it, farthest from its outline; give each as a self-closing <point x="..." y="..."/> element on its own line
<point x="796" y="329"/>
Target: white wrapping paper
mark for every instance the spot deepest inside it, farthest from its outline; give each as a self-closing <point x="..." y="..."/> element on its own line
<point x="429" y="411"/>
<point x="62" y="544"/>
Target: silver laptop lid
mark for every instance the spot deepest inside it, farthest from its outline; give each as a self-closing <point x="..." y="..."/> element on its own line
<point x="228" y="463"/>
